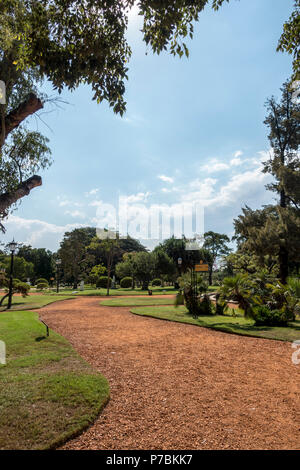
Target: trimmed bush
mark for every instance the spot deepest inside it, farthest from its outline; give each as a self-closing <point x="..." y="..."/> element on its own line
<point x="42" y="285"/>
<point x="156" y="282"/>
<point x="20" y="287"/>
<point x="126" y="282"/>
<point x="102" y="282"/>
<point x="41" y="280"/>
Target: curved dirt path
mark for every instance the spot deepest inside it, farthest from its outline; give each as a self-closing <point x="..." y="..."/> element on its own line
<point x="176" y="386"/>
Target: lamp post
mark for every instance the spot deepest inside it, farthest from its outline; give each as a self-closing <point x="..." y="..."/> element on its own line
<point x="179" y="261"/>
<point x="58" y="263"/>
<point x="12" y="247"/>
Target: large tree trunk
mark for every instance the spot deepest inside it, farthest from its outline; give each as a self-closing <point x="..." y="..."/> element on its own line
<point x="283" y="252"/>
<point x="30" y="106"/>
<point x="9" y="198"/>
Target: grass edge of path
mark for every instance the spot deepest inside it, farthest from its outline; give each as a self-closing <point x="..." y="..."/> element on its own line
<point x="191" y="321"/>
<point x="26" y="374"/>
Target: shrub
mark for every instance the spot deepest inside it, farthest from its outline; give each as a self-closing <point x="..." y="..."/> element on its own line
<point x="264" y="316"/>
<point x="196" y="305"/>
<point x="179" y="299"/>
<point x="42" y="280"/>
<point x="42" y="285"/>
<point x="102" y="282"/>
<point x="156" y="282"/>
<point x="20" y="287"/>
<point x="126" y="282"/>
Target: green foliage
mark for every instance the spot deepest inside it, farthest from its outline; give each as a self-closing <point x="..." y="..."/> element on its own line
<point x="156" y="282"/>
<point x="125" y="268"/>
<point x="262" y="290"/>
<point x="41" y="259"/>
<point x="42" y="280"/>
<point x="102" y="282"/>
<point x="21" y="270"/>
<point x="179" y="299"/>
<point x="96" y="272"/>
<point x="239" y="289"/>
<point x="194" y="291"/>
<point x="290" y="39"/>
<point x="144" y="268"/>
<point x="264" y="316"/>
<point x="164" y="265"/>
<point x="74" y="255"/>
<point x="42" y="285"/>
<point x="126" y="282"/>
<point x="70" y="43"/>
<point x="176" y="248"/>
<point x="20" y="287"/>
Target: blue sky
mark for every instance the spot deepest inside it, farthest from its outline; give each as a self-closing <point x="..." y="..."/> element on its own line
<point x="193" y="131"/>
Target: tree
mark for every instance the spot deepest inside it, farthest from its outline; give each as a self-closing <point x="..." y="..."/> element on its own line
<point x="275" y="230"/>
<point x="164" y="265"/>
<point x="249" y="263"/>
<point x="177" y="248"/>
<point x="260" y="234"/>
<point x="73" y="253"/>
<point x="144" y="268"/>
<point x="125" y="246"/>
<point x="22" y="154"/>
<point x="22" y="269"/>
<point x="109" y="248"/>
<point x="41" y="258"/>
<point x="283" y="121"/>
<point x="216" y="244"/>
<point x="290" y="39"/>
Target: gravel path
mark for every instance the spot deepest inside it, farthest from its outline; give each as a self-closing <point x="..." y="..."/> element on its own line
<point x="176" y="386"/>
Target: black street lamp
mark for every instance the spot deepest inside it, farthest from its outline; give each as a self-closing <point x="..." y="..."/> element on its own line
<point x="12" y="247"/>
<point x="179" y="261"/>
<point x="58" y="263"/>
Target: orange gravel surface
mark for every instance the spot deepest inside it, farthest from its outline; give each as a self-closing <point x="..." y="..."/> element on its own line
<point x="178" y="386"/>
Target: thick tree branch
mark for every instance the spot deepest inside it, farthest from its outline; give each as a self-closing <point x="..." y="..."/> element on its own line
<point x="30" y="106"/>
<point x="9" y="198"/>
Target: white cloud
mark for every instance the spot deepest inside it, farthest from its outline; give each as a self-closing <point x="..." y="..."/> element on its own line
<point x="166" y="179"/>
<point x="96" y="203"/>
<point x="76" y="213"/>
<point x="66" y="202"/>
<point x="92" y="192"/>
<point x="36" y="232"/>
<point x="236" y="161"/>
<point x="139" y="197"/>
<point x="213" y="166"/>
<point x="238" y="153"/>
<point x="221" y="197"/>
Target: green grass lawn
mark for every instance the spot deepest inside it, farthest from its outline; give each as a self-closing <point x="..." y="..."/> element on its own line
<point x="48" y="393"/>
<point x="34" y="301"/>
<point x="229" y="324"/>
<point x="127" y="302"/>
<point x="118" y="292"/>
